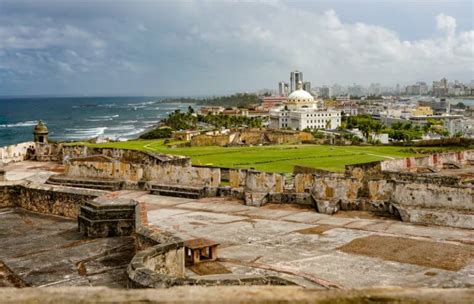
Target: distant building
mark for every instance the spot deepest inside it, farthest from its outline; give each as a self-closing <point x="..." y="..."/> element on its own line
<point x="272" y="101"/>
<point x="324" y="92"/>
<point x="295" y="78"/>
<point x="300" y="111"/>
<point x="283" y="88"/>
<point x="307" y="86"/>
<point x="420" y="111"/>
<point x="463" y="126"/>
<point x="213" y="110"/>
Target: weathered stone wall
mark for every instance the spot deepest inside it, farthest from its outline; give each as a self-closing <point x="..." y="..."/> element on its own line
<point x="288" y="137"/>
<point x="9" y="192"/>
<point x="433" y="160"/>
<point x="211" y="140"/>
<point x="166" y="259"/>
<point x="364" y="171"/>
<point x="257" y="181"/>
<point x="125" y="156"/>
<point x="336" y="188"/>
<point x="235" y="294"/>
<point x="48" y="152"/>
<point x="14" y="153"/>
<point x="162" y="266"/>
<point x="427" y="195"/>
<point x="134" y="166"/>
<point x="237" y="177"/>
<point x="162" y="173"/>
<point x="46" y="199"/>
<point x="190" y="176"/>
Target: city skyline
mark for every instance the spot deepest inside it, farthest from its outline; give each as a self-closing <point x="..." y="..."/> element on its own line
<point x="222" y="47"/>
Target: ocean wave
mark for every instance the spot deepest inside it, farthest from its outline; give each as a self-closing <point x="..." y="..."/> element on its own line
<point x="80" y="133"/>
<point x="106" y="117"/>
<point x="121" y="128"/>
<point x="29" y="123"/>
<point x="145" y="103"/>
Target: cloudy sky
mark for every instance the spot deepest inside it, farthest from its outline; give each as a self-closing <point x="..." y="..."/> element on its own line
<point x="217" y="47"/>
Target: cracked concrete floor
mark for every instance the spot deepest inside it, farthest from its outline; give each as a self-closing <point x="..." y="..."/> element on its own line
<point x="285" y="239"/>
<point x="40" y="250"/>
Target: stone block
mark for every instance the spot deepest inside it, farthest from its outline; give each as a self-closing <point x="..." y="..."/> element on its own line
<point x="326" y="206"/>
<point x="256" y="199"/>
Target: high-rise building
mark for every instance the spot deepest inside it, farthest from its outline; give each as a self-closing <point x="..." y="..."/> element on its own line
<point x="281" y="88"/>
<point x="307" y="86"/>
<point x="324" y="92"/>
<point x="295" y="77"/>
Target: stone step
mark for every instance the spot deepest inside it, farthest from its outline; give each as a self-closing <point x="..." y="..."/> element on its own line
<point x="90" y="183"/>
<point x="80" y="185"/>
<point x="171" y="187"/>
<point x="184" y="194"/>
<point x="82" y="180"/>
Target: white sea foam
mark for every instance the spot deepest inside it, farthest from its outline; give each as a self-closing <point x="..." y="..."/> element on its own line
<point x="29" y="123"/>
<point x="80" y="133"/>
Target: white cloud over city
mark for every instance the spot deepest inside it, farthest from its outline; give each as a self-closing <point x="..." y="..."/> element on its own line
<point x="212" y="47"/>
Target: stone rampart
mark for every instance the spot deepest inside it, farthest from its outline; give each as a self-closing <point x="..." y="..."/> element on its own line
<point x="436" y="160"/>
<point x="211" y="140"/>
<point x="14" y="153"/>
<point x="125" y="156"/>
<point x="256" y="181"/>
<point x="137" y="166"/>
<point x="162" y="173"/>
<point x="429" y="196"/>
<point x="46" y="199"/>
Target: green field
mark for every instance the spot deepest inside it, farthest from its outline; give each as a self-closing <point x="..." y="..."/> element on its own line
<point x="279" y="158"/>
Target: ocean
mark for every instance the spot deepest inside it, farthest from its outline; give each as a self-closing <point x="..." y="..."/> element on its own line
<point x="81" y="118"/>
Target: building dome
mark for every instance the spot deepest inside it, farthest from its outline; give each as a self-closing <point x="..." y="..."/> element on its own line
<point x="300" y="96"/>
<point x="41" y="128"/>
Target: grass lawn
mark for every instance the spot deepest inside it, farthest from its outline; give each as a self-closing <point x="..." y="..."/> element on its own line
<point x="279" y="158"/>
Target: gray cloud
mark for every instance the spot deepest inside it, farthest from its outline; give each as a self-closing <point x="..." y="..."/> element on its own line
<point x="206" y="47"/>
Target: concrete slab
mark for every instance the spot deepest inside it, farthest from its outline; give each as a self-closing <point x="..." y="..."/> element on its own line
<point x="309" y="217"/>
<point x="214" y="207"/>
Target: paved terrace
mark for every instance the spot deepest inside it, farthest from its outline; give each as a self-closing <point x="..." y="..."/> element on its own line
<point x="349" y="249"/>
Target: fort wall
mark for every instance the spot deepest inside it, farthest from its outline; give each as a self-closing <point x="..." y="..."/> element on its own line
<point x="14" y="153"/>
<point x="46" y="199"/>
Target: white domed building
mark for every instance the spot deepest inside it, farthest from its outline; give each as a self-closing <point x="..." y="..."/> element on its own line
<point x="300" y="111"/>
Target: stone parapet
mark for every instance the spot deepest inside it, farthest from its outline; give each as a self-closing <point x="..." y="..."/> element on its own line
<point x="162" y="266"/>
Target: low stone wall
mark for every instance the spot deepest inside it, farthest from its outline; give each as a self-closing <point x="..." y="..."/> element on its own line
<point x="46" y="199"/>
<point x="14" y="153"/>
<point x="431" y="196"/>
<point x="263" y="181"/>
<point x="125" y="156"/>
<point x="211" y="140"/>
<point x="162" y="266"/>
<point x="434" y="160"/>
<point x="162" y="173"/>
<point x="236" y="294"/>
<point x="256" y="181"/>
